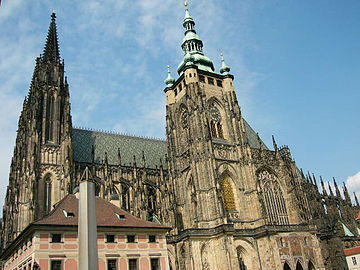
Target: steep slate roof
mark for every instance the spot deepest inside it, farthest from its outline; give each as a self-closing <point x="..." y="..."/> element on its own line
<point x="111" y="142"/>
<point x="105" y="215"/>
<point x="129" y="146"/>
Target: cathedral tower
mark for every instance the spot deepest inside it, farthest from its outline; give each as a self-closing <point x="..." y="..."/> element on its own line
<point x="42" y="164"/>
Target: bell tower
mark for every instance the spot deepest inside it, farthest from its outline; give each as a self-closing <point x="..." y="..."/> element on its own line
<point x="209" y="153"/>
<point x="42" y="163"/>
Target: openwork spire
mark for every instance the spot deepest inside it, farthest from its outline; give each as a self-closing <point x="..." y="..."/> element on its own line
<point x="192" y="46"/>
<point x="51" y="49"/>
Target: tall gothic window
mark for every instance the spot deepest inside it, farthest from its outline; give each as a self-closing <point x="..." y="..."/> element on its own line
<point x="273" y="199"/>
<point x="286" y="266"/>
<point x="215" y="123"/>
<point x="228" y="194"/>
<point x="125" y="197"/>
<point x="50" y="111"/>
<point x="151" y="199"/>
<point x="240" y="255"/>
<point x="47" y="195"/>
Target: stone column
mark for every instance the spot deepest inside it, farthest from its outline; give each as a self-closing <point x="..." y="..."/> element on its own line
<point x="87" y="229"/>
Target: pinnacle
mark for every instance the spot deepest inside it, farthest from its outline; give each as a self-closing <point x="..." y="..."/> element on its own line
<point x="51" y="49"/>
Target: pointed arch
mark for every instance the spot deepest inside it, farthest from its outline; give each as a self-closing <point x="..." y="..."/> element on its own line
<point x="241" y="255"/>
<point x="227" y="187"/>
<point x="47" y="191"/>
<point x="205" y="259"/>
<point x="311" y="266"/>
<point x="125" y="197"/>
<point x="299" y="266"/>
<point x="272" y="198"/>
<point x="217" y="118"/>
<point x="287" y="266"/>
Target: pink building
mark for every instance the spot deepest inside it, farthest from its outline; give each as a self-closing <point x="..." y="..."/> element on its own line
<point x="124" y="241"/>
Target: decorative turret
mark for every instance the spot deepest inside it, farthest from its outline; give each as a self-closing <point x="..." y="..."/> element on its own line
<point x="169" y="81"/>
<point x="337" y="191"/>
<point x="193" y="47"/>
<point x="346" y="193"/>
<point x="225" y="69"/>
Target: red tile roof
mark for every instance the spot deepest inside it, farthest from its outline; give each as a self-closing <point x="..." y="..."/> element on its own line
<point x="352" y="251"/>
<point x="105" y="215"/>
<point x="358" y="216"/>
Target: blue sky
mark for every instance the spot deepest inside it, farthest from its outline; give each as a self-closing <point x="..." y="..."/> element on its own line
<point x="296" y="67"/>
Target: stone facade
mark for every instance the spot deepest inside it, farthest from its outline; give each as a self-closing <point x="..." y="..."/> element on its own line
<point x="232" y="202"/>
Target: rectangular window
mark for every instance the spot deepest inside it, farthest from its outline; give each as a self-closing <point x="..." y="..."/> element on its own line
<point x="202" y="78"/>
<point x="152" y="238"/>
<point x="56" y="265"/>
<point x="211" y="81"/>
<point x="110" y="238"/>
<point x="133" y="265"/>
<point x="111" y="264"/>
<point x="56" y="238"/>
<point x="155" y="265"/>
<point x="219" y="83"/>
<point x="354" y="260"/>
<point x="131" y="238"/>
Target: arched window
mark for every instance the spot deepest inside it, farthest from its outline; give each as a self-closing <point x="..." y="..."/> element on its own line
<point x="311" y="266"/>
<point x="273" y="199"/>
<point x="215" y="123"/>
<point x="151" y="199"/>
<point x="228" y="193"/>
<point x="125" y="197"/>
<point x="50" y="111"/>
<point x="47" y="195"/>
<point x="299" y="266"/>
<point x="286" y="266"/>
<point x="241" y="254"/>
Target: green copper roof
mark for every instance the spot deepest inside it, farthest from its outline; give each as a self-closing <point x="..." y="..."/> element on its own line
<point x="111" y="142"/>
<point x="154" y="149"/>
<point x="347" y="232"/>
<point x="193" y="45"/>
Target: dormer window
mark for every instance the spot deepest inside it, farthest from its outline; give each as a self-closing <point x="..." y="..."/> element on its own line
<point x="68" y="214"/>
<point x="120" y="216"/>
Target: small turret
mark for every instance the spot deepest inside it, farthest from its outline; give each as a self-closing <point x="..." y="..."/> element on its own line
<point x="225" y="69"/>
<point x="356" y="199"/>
<point x="337" y="191"/>
<point x="169" y="81"/>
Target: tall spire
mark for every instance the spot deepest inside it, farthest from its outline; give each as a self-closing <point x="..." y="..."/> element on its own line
<point x="51" y="49"/>
<point x="193" y="46"/>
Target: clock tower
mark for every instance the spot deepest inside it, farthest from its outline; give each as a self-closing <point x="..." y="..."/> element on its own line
<point x="209" y="153"/>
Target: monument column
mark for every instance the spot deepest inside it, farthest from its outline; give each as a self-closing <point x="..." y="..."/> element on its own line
<point x="87" y="229"/>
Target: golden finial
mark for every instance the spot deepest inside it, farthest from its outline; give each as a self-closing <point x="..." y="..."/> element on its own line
<point x="186" y="3"/>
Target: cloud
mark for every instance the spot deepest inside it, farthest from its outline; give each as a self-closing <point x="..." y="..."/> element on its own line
<point x="353" y="184"/>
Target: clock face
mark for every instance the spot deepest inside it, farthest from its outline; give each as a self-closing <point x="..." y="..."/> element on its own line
<point x="215" y="114"/>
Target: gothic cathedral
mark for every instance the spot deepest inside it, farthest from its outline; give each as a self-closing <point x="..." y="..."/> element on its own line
<point x="232" y="202"/>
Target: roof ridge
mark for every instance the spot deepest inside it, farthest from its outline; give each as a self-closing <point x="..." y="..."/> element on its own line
<point x="118" y="133"/>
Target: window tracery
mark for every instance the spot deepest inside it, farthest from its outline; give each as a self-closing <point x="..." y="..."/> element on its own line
<point x="273" y="199"/>
<point x="216" y="124"/>
<point x="47" y="195"/>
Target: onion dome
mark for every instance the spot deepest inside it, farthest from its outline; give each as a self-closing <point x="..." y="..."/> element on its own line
<point x="225" y="69"/>
<point x="192" y="46"/>
<point x="169" y="81"/>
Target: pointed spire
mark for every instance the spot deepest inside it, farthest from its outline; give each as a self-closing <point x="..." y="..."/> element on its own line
<point x="330" y="190"/>
<point x="314" y="179"/>
<point x="356" y="199"/>
<point x="225" y="69"/>
<point x="193" y="47"/>
<point x="323" y="186"/>
<point x="346" y="193"/>
<point x="169" y="81"/>
<point x="51" y="49"/>
<point x="337" y="191"/>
